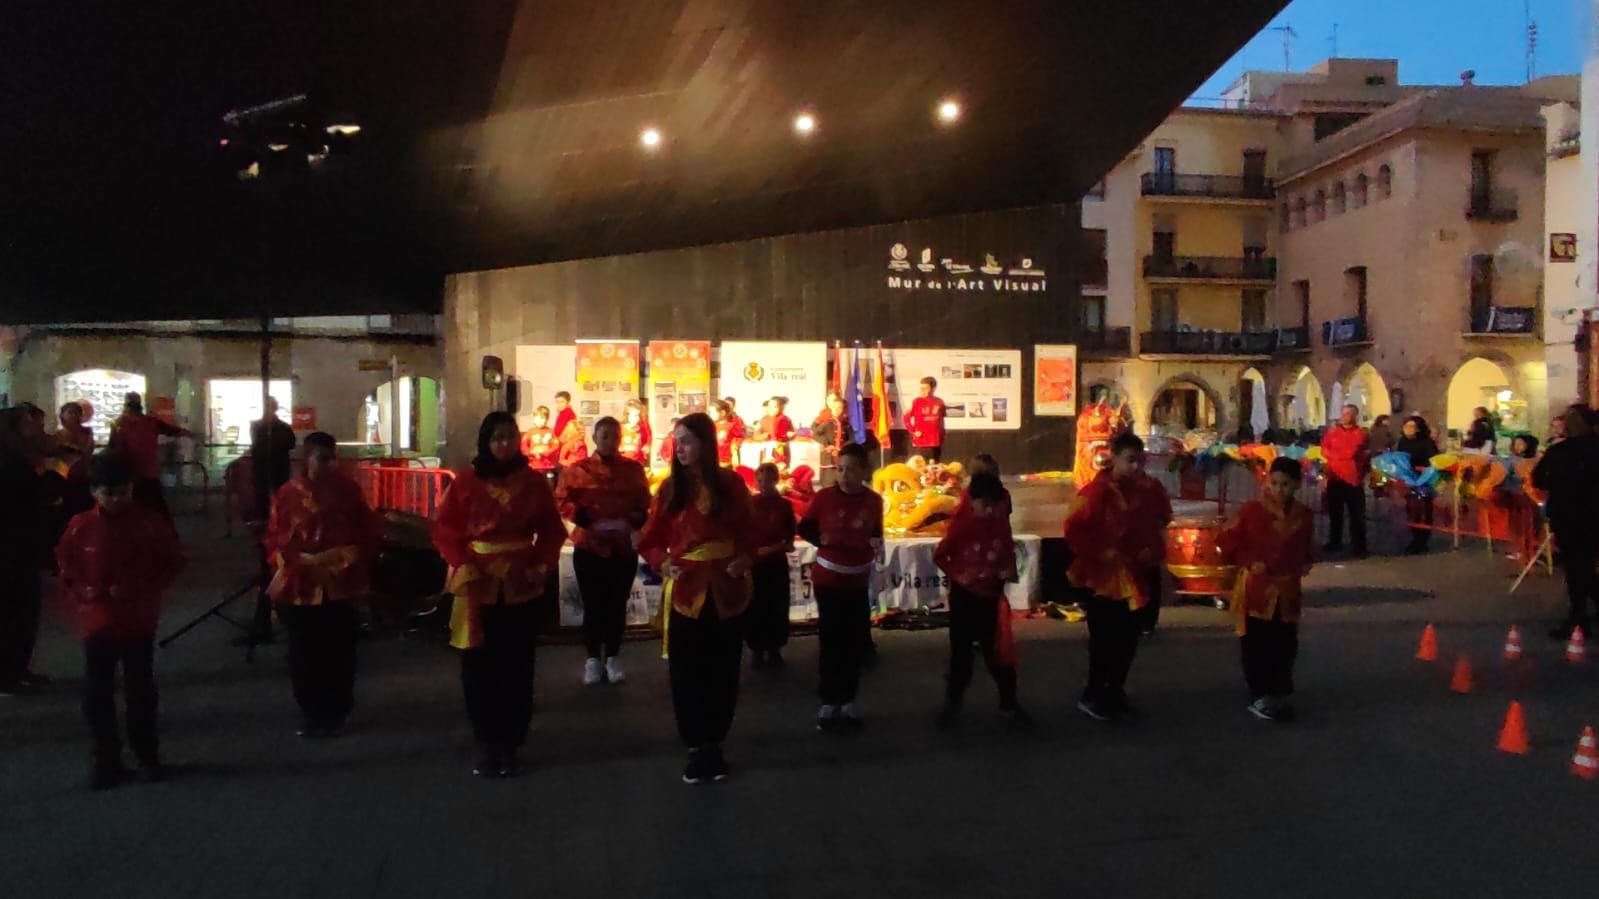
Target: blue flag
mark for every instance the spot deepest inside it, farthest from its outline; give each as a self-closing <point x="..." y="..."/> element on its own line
<point x="852" y="399"/>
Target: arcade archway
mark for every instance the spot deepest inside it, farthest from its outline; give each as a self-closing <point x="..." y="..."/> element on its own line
<point x="1304" y="405"/>
<point x="1480" y="382"/>
<point x="1368" y="392"/>
<point x="1184" y="404"/>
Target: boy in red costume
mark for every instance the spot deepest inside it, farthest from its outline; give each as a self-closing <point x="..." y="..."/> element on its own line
<point x="636" y="436"/>
<point x="115" y="561"/>
<point x="320" y="540"/>
<point x="1271" y="544"/>
<point x="978" y="554"/>
<point x="571" y="444"/>
<point x="845" y="524"/>
<point x="539" y="444"/>
<point x="766" y="625"/>
<point x="563" y="413"/>
<point x="925" y="421"/>
<point x="1116" y="533"/>
<point x="726" y="442"/>
<point x="776" y="427"/>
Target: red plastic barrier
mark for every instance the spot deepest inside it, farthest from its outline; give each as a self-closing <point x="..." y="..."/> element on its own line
<point x="408" y="491"/>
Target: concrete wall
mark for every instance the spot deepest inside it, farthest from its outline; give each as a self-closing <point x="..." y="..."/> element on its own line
<point x="1565" y="209"/>
<point x="324" y="371"/>
<point x="823" y="286"/>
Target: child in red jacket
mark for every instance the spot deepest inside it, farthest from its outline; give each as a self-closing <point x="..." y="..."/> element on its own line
<point x="978" y="555"/>
<point x="115" y="561"/>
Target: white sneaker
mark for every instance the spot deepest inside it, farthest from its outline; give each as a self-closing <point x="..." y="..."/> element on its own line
<point x="1264" y="709"/>
<point x="613" y="670"/>
<point x="591" y="673"/>
<point x="826" y="718"/>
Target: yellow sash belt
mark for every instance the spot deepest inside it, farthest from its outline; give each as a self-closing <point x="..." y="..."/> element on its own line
<point x="705" y="552"/>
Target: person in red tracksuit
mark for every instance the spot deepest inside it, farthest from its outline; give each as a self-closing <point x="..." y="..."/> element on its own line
<point x="1346" y="459"/>
<point x="925" y="421"/>
<point x="115" y="561"/>
<point x="845" y="524"/>
<point x="607" y="498"/>
<point x="776" y="427"/>
<point x="766" y="625"/>
<point x="539" y="444"/>
<point x="978" y="554"/>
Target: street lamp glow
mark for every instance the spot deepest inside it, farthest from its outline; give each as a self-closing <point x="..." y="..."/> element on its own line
<point x="804" y="123"/>
<point x="949" y="111"/>
<point x="650" y="138"/>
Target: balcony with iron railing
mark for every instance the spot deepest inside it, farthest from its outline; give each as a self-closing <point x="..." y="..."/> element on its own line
<point x="1504" y="321"/>
<point x="1210" y="268"/>
<point x="1207" y="343"/>
<point x="1214" y="187"/>
<point x="1293" y="340"/>
<point x="1106" y="342"/>
<point x="1346" y="332"/>
<point x="1485" y="203"/>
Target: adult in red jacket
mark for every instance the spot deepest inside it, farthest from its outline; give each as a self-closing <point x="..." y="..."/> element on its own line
<point x="925" y="421"/>
<point x="1345" y="458"/>
<point x="137" y="437"/>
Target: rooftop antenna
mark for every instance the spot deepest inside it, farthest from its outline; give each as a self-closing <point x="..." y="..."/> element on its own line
<point x="1333" y="39"/>
<point x="1532" y="40"/>
<point x="1288" y="33"/>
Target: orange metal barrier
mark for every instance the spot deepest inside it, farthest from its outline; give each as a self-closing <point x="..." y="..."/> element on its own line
<point x="408" y="491"/>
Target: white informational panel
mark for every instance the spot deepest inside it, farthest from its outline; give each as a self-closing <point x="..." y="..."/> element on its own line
<point x="755" y="371"/>
<point x="981" y="389"/>
<point x="543" y="370"/>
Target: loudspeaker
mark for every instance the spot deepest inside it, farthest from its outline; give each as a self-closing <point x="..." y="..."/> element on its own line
<point x="493" y="372"/>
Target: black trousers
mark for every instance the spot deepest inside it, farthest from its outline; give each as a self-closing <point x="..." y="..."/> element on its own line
<point x="703" y="665"/>
<point x="1149" y="616"/>
<point x="322" y="660"/>
<point x="149" y="493"/>
<point x="930" y="453"/>
<point x="497" y="677"/>
<point x="1267" y="649"/>
<point x="1112" y="644"/>
<point x="1346" y="500"/>
<point x="136" y="656"/>
<point x="766" y="622"/>
<point x="605" y="583"/>
<point x="845" y="632"/>
<point x="1418" y="509"/>
<point x="974" y="621"/>
<point x="19" y="618"/>
<point x="1577" y="558"/>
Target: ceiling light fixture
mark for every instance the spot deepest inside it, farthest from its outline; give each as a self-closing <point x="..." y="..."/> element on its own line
<point x="804" y="123"/>
<point x="650" y="138"/>
<point x="949" y="111"/>
<point x="344" y="130"/>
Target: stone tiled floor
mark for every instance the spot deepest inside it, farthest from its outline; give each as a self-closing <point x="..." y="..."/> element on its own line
<point x="1388" y="786"/>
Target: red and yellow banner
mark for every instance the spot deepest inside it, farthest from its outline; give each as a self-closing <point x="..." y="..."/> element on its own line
<point x="680" y="382"/>
<point x="607" y="376"/>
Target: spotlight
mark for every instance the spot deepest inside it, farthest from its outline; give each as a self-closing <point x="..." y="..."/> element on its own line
<point x="804" y="123"/>
<point x="949" y="111"/>
<point x="650" y="138"/>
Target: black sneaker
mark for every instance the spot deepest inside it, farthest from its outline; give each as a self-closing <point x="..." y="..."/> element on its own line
<point x="151" y="771"/>
<point x="105" y="777"/>
<point x="696" y="771"/>
<point x="758" y="659"/>
<point x="488" y="762"/>
<point x="1019" y="719"/>
<point x="510" y="765"/>
<point x="1093" y="709"/>
<point x="716" y="766"/>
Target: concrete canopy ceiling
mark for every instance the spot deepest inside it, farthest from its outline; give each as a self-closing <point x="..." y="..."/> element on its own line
<point x="506" y="132"/>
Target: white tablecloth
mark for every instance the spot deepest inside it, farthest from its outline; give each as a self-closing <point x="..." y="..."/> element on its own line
<point x="800" y="452"/>
<point x="907" y="579"/>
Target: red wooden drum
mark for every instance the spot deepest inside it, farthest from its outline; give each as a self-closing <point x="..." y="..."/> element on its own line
<point x="1194" y="558"/>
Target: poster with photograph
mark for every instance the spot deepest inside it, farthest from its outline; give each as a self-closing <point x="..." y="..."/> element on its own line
<point x="981" y="389"/>
<point x="542" y="371"/>
<point x="1054" y="379"/>
<point x="680" y="383"/>
<point x="607" y="374"/>
<point x="755" y="371"/>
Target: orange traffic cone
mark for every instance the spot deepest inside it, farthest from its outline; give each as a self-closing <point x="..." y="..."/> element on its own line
<point x="1513" y="644"/>
<point x="1513" y="736"/>
<point x="1585" y="763"/>
<point x="1461" y="682"/>
<point x="1428" y="650"/>
<point x="1576" y="647"/>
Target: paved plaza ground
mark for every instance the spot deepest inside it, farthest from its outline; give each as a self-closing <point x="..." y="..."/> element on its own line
<point x="1389" y="785"/>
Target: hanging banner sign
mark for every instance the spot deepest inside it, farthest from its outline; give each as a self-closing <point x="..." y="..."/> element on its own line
<point x="1054" y="379"/>
<point x="542" y="371"/>
<point x="680" y="383"/>
<point x="755" y="371"/>
<point x="981" y="389"/>
<point x="607" y="377"/>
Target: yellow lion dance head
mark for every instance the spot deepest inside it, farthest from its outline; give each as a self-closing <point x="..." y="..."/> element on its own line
<point x="918" y="496"/>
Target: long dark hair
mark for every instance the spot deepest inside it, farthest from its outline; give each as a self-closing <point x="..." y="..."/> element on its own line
<point x="484" y="462"/>
<point x="705" y="476"/>
<point x="1422" y="430"/>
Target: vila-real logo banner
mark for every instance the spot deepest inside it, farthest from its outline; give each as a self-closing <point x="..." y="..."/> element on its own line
<point x="755" y="371"/>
